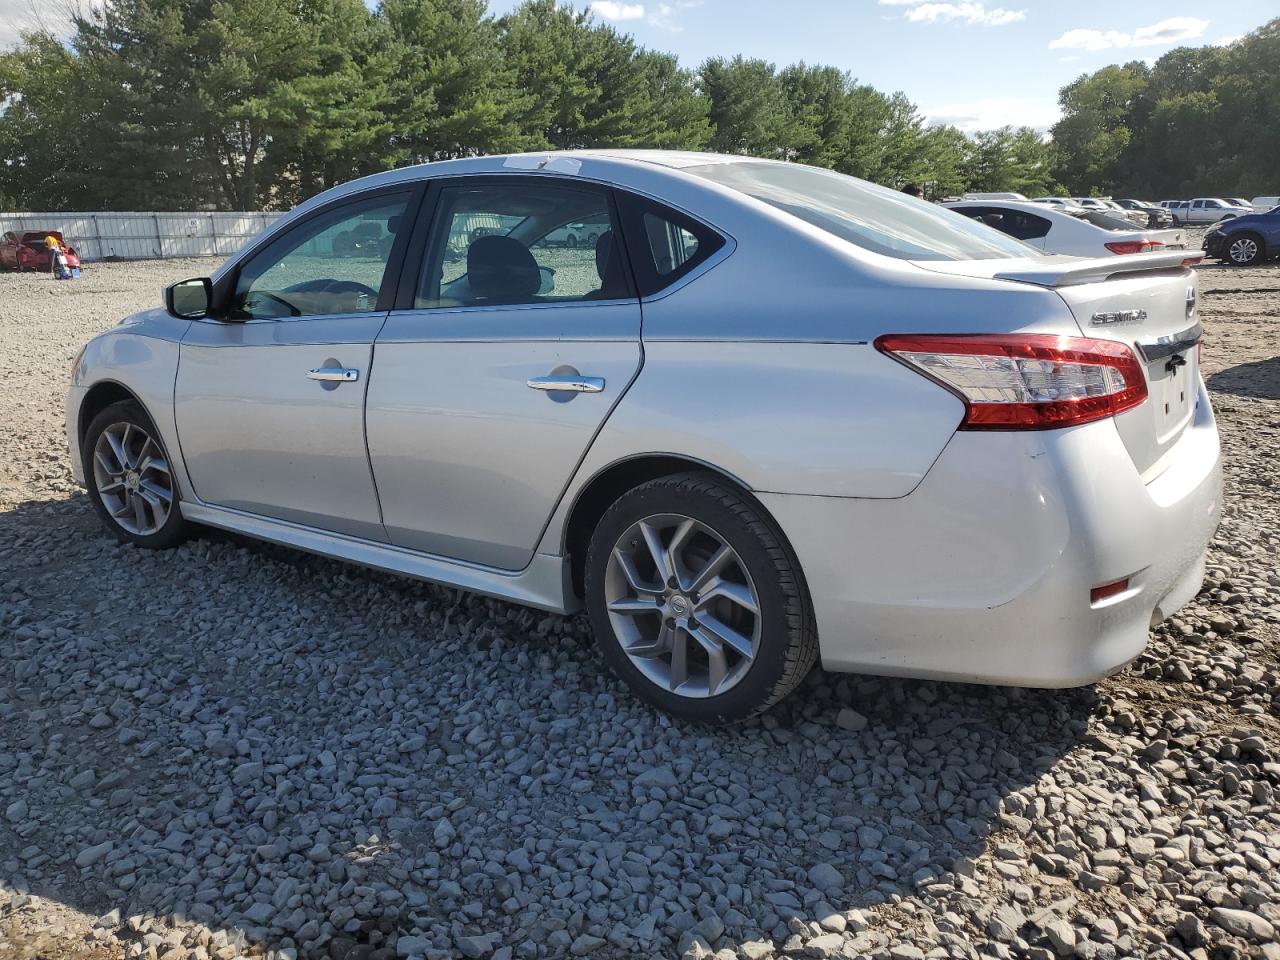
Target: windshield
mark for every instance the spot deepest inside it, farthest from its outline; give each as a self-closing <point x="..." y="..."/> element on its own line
<point x="876" y="218"/>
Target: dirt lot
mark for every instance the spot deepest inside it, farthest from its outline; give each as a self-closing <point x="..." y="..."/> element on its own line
<point x="234" y="749"/>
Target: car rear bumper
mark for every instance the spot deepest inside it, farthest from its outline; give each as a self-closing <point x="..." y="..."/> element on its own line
<point x="983" y="573"/>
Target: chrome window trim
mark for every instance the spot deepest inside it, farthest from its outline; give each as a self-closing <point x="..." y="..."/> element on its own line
<point x="496" y="307"/>
<point x="236" y="260"/>
<point x="305" y="318"/>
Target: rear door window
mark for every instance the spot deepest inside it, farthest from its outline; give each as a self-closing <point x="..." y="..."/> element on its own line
<point x="527" y="241"/>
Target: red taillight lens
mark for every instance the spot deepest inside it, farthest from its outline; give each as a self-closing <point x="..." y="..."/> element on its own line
<point x="1025" y="381"/>
<point x="1103" y="591"/>
<point x="1133" y="246"/>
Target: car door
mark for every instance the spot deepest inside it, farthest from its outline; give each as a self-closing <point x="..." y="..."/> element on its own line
<point x="270" y="401"/>
<point x="9" y="251"/>
<point x="507" y="351"/>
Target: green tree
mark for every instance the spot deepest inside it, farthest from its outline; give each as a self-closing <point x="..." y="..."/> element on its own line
<point x="588" y="85"/>
<point x="453" y="92"/>
<point x="1096" y="127"/>
<point x="748" y="108"/>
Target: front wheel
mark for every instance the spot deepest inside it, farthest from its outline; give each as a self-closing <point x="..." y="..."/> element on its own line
<point x="1245" y="249"/>
<point x="130" y="478"/>
<point x="697" y="602"/>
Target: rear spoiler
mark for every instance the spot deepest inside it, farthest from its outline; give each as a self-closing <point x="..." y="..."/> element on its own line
<point x="1070" y="271"/>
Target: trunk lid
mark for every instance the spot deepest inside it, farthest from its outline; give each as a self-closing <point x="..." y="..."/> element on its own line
<point x="1146" y="301"/>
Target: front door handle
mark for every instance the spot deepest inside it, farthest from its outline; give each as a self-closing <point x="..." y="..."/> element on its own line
<point x="570" y="383"/>
<point x="334" y="374"/>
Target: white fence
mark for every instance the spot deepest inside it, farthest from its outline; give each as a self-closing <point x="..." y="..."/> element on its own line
<point x="145" y="236"/>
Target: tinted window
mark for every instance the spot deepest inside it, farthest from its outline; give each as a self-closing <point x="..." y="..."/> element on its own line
<point x="1015" y="223"/>
<point x="330" y="264"/>
<point x="879" y="219"/>
<point x="664" y="244"/>
<point x="521" y="242"/>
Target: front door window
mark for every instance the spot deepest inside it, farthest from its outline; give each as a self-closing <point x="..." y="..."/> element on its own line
<point x="334" y="263"/>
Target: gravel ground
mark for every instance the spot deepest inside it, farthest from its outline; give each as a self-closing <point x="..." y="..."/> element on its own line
<point x="234" y="749"/>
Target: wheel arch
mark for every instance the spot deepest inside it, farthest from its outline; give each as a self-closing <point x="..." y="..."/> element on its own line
<point x="615" y="479"/>
<point x="100" y="396"/>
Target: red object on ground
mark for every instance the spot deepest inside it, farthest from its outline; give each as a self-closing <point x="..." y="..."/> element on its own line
<point x="26" y="251"/>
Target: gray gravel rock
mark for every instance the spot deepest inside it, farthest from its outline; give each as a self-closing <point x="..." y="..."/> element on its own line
<point x="251" y="752"/>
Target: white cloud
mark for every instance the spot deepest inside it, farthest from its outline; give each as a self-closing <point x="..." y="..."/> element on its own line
<point x="993" y="112"/>
<point x="1165" y="33"/>
<point x="52" y="16"/>
<point x="15" y="16"/>
<point x="664" y="15"/>
<point x="969" y="12"/>
<point x="613" y="10"/>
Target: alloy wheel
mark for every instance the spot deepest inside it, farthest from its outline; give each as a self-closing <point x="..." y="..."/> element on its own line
<point x="132" y="478"/>
<point x="682" y="605"/>
<point x="1243" y="250"/>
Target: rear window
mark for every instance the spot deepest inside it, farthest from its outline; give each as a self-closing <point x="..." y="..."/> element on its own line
<point x="1106" y="220"/>
<point x="875" y="218"/>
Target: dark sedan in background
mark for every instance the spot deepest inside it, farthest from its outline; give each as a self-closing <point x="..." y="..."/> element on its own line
<point x="1245" y="240"/>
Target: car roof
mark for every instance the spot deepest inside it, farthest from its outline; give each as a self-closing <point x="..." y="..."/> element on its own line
<point x="618" y="167"/>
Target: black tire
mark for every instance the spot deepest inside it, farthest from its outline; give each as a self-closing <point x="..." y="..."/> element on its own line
<point x="1233" y="247"/>
<point x="174" y="530"/>
<point x="788" y="642"/>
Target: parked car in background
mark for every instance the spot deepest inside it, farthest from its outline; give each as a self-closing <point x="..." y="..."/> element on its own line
<point x="1245" y="240"/>
<point x="1156" y="217"/>
<point x="852" y="424"/>
<point x="574" y="235"/>
<point x="1089" y="233"/>
<point x="1264" y="204"/>
<point x="1065" y="204"/>
<point x="993" y="196"/>
<point x="1205" y="210"/>
<point x="27" y="251"/>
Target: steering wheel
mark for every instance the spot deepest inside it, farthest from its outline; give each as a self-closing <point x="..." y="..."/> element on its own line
<point x="293" y="311"/>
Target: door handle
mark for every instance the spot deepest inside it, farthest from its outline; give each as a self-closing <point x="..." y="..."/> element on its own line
<point x="570" y="383"/>
<point x="334" y="374"/>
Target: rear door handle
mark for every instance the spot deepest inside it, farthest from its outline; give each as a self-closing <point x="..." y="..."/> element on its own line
<point x="571" y="383"/>
<point x="334" y="374"/>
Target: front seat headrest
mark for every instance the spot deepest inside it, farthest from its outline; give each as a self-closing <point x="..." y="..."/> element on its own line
<point x="502" y="269"/>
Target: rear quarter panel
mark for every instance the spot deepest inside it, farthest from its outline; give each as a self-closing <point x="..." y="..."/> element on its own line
<point x="765" y="368"/>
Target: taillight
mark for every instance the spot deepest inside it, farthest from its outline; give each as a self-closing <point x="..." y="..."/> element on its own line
<point x="1025" y="381"/>
<point x="1133" y="246"/>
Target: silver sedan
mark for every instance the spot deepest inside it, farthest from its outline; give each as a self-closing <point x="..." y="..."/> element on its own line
<point x="771" y="414"/>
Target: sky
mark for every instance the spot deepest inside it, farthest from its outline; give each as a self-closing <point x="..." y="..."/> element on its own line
<point x="968" y="63"/>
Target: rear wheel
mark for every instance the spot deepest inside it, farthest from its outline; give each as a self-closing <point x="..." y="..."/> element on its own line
<point x="696" y="601"/>
<point x="130" y="478"/>
<point x="1245" y="249"/>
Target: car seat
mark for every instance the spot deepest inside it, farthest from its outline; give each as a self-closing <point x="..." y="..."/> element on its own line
<point x="502" y="270"/>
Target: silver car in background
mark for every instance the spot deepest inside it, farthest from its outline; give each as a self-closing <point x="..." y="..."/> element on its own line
<point x="771" y="414"/>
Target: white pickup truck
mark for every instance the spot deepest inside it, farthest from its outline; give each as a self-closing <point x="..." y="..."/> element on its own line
<point x="1205" y="210"/>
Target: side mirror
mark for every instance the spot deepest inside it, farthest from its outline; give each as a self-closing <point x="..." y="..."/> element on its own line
<point x="189" y="299"/>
